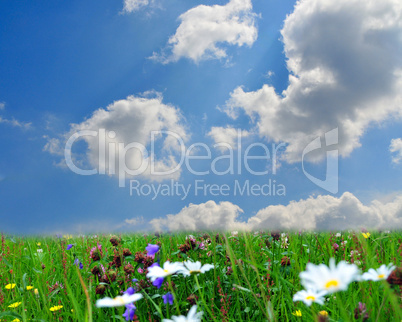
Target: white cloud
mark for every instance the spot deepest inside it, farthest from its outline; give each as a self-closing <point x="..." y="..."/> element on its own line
<point x="345" y="71"/>
<point x="53" y="146"/>
<point x="135" y="221"/>
<point x="135" y="5"/>
<point x="227" y="135"/>
<point x="205" y="216"/>
<point x="127" y="121"/>
<point x="204" y="29"/>
<point x="396" y="147"/>
<point x="315" y="213"/>
<point x="15" y="123"/>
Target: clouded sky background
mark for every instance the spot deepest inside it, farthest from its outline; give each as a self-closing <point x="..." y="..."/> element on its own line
<point x="277" y="72"/>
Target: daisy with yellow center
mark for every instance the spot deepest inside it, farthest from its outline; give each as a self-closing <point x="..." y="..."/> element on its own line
<point x="14" y="305"/>
<point x="379" y="274"/>
<point x="190" y="268"/>
<point x="119" y="300"/>
<point x="10" y="286"/>
<point x="310" y="296"/>
<point x="156" y="271"/>
<point x="297" y="313"/>
<point x="332" y="278"/>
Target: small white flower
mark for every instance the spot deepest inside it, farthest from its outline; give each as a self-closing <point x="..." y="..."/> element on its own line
<point x="192" y="316"/>
<point x="310" y="296"/>
<point x="168" y="269"/>
<point x="40" y="250"/>
<point x="118" y="301"/>
<point x="338" y="235"/>
<point x="194" y="268"/>
<point x="379" y="274"/>
<point x="330" y="279"/>
<point x="235" y="233"/>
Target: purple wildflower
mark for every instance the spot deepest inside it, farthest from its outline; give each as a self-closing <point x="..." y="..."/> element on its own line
<point x="129" y="291"/>
<point x="152" y="249"/>
<point x="69" y="246"/>
<point x="130" y="311"/>
<point x="158" y="282"/>
<point x="168" y="298"/>
<point x="78" y="263"/>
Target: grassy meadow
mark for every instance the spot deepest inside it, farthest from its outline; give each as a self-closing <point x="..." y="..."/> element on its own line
<point x="254" y="278"/>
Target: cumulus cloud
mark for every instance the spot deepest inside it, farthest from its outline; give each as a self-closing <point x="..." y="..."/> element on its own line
<point x="315" y="213"/>
<point x="135" y="5"/>
<point x="396" y="148"/>
<point x="228" y="136"/>
<point x="345" y="64"/>
<point x="126" y="122"/>
<point x="205" y="216"/>
<point x="204" y="30"/>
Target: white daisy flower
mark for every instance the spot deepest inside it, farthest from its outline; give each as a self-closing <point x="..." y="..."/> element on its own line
<point x="338" y="235"/>
<point x="194" y="268"/>
<point x="118" y="301"/>
<point x="379" y="274"/>
<point x="310" y="296"/>
<point x="168" y="269"/>
<point x="192" y="316"/>
<point x="330" y="279"/>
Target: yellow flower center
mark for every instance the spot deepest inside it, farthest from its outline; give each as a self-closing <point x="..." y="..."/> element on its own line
<point x="166" y="271"/>
<point x="381" y="276"/>
<point x="195" y="272"/>
<point x="120" y="299"/>
<point x="331" y="283"/>
<point x="310" y="297"/>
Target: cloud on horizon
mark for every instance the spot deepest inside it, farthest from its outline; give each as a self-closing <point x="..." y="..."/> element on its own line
<point x="323" y="212"/>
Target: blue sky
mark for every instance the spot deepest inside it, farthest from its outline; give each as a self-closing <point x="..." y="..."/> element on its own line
<point x="279" y="72"/>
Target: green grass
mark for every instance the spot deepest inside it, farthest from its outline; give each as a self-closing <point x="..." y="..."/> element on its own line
<point x="258" y="288"/>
